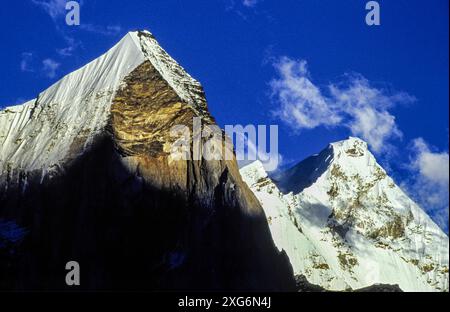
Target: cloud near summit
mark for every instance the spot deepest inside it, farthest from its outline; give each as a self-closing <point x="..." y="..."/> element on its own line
<point x="352" y="103"/>
<point x="430" y="175"/>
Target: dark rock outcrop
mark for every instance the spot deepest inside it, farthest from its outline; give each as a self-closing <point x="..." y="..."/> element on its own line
<point x="303" y="285"/>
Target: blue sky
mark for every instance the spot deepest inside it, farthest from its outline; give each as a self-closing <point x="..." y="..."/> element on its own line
<point x="261" y="62"/>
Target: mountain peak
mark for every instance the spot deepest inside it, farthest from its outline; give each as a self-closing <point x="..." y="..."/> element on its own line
<point x="352" y="146"/>
<point x="96" y="146"/>
<point x="81" y="103"/>
<point x="145" y="31"/>
<point x="187" y="88"/>
<point x="352" y="154"/>
<point x="345" y="223"/>
<point x="351" y="140"/>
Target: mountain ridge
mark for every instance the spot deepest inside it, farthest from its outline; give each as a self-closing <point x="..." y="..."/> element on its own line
<point x="345" y="224"/>
<point x="99" y="79"/>
<point x="87" y="175"/>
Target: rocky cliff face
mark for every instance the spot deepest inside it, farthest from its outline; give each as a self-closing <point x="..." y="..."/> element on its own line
<point x="303" y="285"/>
<point x="86" y="174"/>
<point x="345" y="224"/>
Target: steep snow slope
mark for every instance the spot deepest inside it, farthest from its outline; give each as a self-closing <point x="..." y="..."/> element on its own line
<point x="87" y="174"/>
<point x="344" y="223"/>
<point x="41" y="133"/>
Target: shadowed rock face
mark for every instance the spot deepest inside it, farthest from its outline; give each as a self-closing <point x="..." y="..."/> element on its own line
<point x="136" y="219"/>
<point x="303" y="285"/>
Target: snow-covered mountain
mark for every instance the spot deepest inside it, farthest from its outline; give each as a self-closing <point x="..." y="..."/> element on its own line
<point x="87" y="175"/>
<point x="344" y="223"/>
<point x="40" y="134"/>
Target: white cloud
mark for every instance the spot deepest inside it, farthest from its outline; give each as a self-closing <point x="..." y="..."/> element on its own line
<point x="433" y="166"/>
<point x="376" y="127"/>
<point x="72" y="44"/>
<point x="50" y="67"/>
<point x="67" y="51"/>
<point x="250" y="3"/>
<point x="353" y="104"/>
<point x="429" y="182"/>
<point x="25" y="66"/>
<point x="365" y="110"/>
<point x="302" y="104"/>
<point x="54" y="8"/>
<point x="102" y="30"/>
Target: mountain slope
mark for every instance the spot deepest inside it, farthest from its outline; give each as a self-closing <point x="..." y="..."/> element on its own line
<point x="87" y="175"/>
<point x="345" y="224"/>
<point x="40" y="133"/>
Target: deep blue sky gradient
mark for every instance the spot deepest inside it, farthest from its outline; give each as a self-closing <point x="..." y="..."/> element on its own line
<point x="226" y="46"/>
